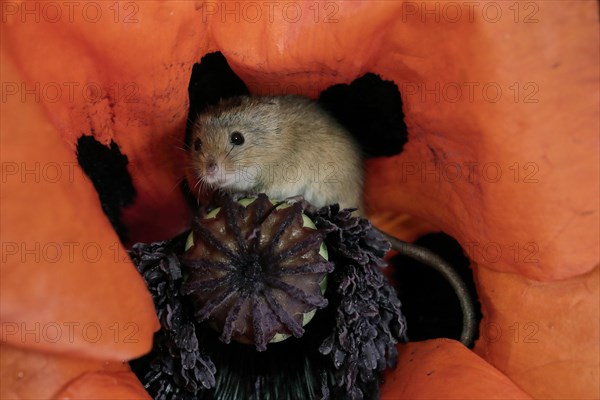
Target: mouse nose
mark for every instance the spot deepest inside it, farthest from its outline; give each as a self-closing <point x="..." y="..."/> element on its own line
<point x="211" y="167"/>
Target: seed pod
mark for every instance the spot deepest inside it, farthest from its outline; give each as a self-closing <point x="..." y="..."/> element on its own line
<point x="256" y="271"/>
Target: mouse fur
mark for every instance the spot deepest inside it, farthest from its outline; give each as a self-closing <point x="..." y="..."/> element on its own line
<point x="291" y="147"/>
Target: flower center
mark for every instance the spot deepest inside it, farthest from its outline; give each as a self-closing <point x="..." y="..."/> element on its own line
<point x="255" y="271"/>
<point x="252" y="274"/>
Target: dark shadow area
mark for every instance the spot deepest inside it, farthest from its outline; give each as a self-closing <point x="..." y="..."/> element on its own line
<point x="212" y="79"/>
<point x="429" y="303"/>
<point x="106" y="167"/>
<point x="371" y="110"/>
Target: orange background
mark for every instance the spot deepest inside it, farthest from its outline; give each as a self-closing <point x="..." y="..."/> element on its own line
<point x="539" y="292"/>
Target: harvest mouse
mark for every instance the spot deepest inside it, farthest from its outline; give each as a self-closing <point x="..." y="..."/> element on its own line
<point x="282" y="146"/>
<point x="286" y="147"/>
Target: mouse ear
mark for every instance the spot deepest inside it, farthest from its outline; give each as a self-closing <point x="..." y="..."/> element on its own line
<point x="232" y="102"/>
<point x="273" y="100"/>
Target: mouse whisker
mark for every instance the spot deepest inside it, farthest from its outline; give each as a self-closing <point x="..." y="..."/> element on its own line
<point x="202" y="187"/>
<point x="177" y="183"/>
<point x="230" y="150"/>
<point x="200" y="183"/>
<point x="190" y="164"/>
<point x="192" y="122"/>
<point x="179" y="143"/>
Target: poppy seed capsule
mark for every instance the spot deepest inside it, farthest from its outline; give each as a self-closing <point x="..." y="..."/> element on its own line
<point x="256" y="270"/>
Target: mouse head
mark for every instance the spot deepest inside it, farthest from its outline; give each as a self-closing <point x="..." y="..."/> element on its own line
<point x="232" y="143"/>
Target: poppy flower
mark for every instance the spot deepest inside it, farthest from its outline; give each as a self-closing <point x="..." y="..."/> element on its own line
<point x="538" y="298"/>
<point x="257" y="273"/>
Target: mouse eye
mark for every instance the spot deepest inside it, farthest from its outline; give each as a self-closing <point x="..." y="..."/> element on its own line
<point x="237" y="138"/>
<point x="197" y="144"/>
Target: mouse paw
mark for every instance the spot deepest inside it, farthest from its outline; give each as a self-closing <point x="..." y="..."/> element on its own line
<point x="300" y="199"/>
<point x="220" y="195"/>
<point x="237" y="196"/>
<point x="295" y="199"/>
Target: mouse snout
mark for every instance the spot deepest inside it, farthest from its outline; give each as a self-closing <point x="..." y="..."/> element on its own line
<point x="211" y="167"/>
<point x="213" y="172"/>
